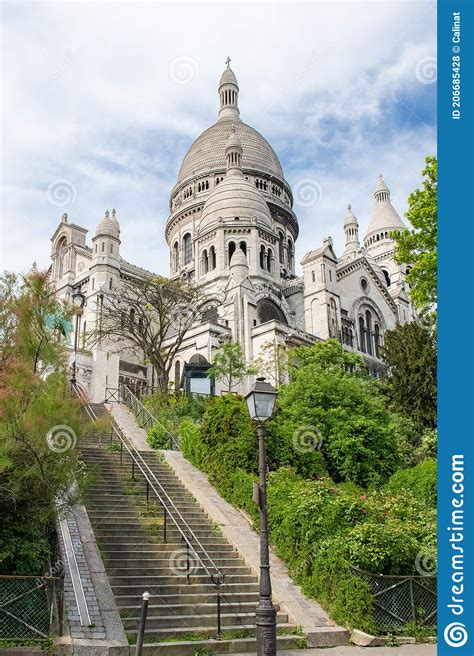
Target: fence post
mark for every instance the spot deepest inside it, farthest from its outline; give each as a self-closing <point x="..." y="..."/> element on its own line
<point x="133" y="469"/>
<point x="412" y="600"/>
<point x="147" y="493"/>
<point x="187" y="561"/>
<point x="218" y="611"/>
<point x="141" y="627"/>
<point x="164" y="524"/>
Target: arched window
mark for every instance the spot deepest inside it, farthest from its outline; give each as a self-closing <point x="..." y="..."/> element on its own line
<point x="290" y="254"/>
<point x="212" y="258"/>
<point x="368" y="320"/>
<point x="61" y="253"/>
<point x="205" y="262"/>
<point x="175" y="256"/>
<point x="231" y="250"/>
<point x="269" y="260"/>
<point x="333" y="325"/>
<point x="187" y="248"/>
<point x="362" y="334"/>
<point x="351" y="337"/>
<point x="262" y="256"/>
<point x="377" y="339"/>
<point x="281" y="246"/>
<point x="387" y="277"/>
<point x="243" y="246"/>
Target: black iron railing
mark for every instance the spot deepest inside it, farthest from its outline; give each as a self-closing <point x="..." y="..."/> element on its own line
<point x="144" y="417"/>
<point x="194" y="548"/>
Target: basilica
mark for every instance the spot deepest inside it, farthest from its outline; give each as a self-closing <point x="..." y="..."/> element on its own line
<point x="232" y="230"/>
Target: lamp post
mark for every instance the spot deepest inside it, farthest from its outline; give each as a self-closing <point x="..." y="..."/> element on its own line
<point x="78" y="299"/>
<point x="261" y="401"/>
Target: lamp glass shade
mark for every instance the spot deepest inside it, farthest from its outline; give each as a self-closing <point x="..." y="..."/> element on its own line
<point x="78" y="298"/>
<point x="261" y="400"/>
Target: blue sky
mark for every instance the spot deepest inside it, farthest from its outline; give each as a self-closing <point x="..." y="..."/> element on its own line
<point x="109" y="96"/>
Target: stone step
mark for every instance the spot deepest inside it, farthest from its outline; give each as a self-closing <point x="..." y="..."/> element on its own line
<point x="185" y="597"/>
<point x="163" y="633"/>
<point x="163" y="550"/>
<point x="132" y="568"/>
<point x="136" y="588"/>
<point x="193" y="622"/>
<point x="205" y="606"/>
<point x="223" y="646"/>
<point x="156" y="581"/>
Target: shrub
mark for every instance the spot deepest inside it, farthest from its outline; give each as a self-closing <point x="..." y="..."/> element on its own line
<point x="24" y="548"/>
<point x="349" y="418"/>
<point x="192" y="446"/>
<point x="160" y="435"/>
<point x="420" y="480"/>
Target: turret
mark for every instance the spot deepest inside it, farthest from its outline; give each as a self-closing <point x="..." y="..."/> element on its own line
<point x="351" y="230"/>
<point x="229" y="94"/>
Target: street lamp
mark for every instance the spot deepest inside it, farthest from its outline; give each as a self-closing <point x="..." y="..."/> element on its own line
<point x="78" y="299"/>
<point x="260" y="402"/>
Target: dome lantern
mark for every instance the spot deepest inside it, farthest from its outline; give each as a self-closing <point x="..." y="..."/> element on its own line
<point x="229" y="94"/>
<point x="233" y="151"/>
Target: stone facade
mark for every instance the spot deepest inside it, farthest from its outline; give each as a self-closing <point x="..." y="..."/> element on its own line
<point x="232" y="229"/>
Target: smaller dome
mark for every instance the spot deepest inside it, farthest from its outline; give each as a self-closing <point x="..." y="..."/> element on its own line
<point x="228" y="77"/>
<point x="238" y="259"/>
<point x="235" y="197"/>
<point x="385" y="217"/>
<point x="350" y="218"/>
<point x="109" y="226"/>
<point x="380" y="186"/>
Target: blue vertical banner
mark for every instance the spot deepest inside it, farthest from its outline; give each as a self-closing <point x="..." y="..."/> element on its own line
<point x="455" y="322"/>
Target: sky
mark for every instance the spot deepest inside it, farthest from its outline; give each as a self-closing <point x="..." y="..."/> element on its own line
<point x="101" y="101"/>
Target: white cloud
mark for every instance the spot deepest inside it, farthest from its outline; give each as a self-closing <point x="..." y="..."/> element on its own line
<point x="88" y="97"/>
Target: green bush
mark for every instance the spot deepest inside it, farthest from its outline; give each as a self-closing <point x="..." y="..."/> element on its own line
<point x="192" y="446"/>
<point x="330" y="396"/>
<point x="160" y="435"/>
<point x="24" y="548"/>
<point x="420" y="480"/>
<point x="170" y="411"/>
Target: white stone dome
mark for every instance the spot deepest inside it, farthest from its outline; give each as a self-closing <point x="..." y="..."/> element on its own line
<point x="235" y="197"/>
<point x="208" y="151"/>
<point x="385" y="218"/>
<point x="109" y="226"/>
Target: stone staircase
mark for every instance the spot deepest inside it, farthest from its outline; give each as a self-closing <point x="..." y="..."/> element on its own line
<point x="182" y="615"/>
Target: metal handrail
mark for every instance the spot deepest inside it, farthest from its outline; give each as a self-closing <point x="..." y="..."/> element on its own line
<point x="125" y="394"/>
<point x="137" y="458"/>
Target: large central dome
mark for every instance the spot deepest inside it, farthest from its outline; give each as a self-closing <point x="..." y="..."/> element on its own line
<point x="208" y="151"/>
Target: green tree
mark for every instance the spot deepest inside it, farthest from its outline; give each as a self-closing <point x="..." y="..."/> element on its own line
<point x="229" y="366"/>
<point x="39" y="425"/>
<point x="417" y="246"/>
<point x="343" y="414"/>
<point x="411" y="355"/>
<point x="273" y="362"/>
<point x="150" y="317"/>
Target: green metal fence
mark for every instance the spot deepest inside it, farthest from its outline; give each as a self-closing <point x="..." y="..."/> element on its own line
<point x="31" y="607"/>
<point x="401" y="599"/>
